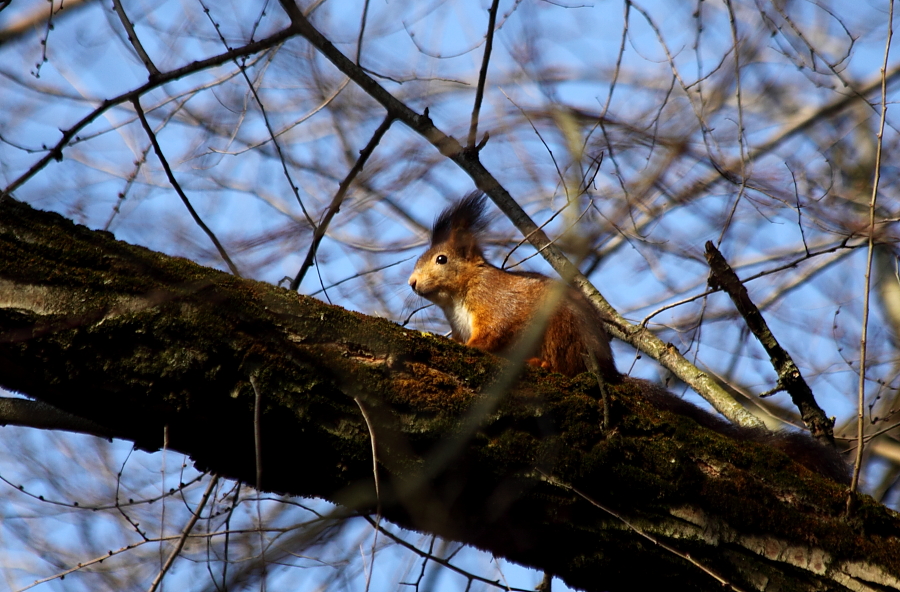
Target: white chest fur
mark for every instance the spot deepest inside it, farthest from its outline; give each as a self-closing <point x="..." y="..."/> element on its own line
<point x="460" y="320"/>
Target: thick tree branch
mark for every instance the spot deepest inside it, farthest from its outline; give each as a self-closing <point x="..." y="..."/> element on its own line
<point x="134" y="339"/>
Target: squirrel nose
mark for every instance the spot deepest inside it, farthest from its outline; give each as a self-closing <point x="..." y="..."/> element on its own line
<point x="412" y="282"/>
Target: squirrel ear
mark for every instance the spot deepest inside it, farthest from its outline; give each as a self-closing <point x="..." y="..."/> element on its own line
<point x="461" y="221"/>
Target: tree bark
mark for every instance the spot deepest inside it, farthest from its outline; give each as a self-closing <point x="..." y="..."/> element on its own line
<point x="137" y="342"/>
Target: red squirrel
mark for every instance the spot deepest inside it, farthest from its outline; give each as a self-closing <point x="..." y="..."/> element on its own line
<point x="491" y="309"/>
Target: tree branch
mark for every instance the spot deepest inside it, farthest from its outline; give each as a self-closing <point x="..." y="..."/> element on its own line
<point x="184" y="198"/>
<point x="56" y="152"/>
<point x="789" y="377"/>
<point x="113" y="332"/>
<point x="338" y="199"/>
<point x="34" y="414"/>
<point x="133" y="38"/>
<point x="482" y="75"/>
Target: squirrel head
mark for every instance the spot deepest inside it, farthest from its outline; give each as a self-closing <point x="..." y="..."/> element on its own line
<point x="444" y="272"/>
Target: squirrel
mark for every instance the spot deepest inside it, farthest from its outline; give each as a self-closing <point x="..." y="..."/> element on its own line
<point x="492" y="309"/>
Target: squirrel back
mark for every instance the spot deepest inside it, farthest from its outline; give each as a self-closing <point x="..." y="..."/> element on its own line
<point x="493" y="309"/>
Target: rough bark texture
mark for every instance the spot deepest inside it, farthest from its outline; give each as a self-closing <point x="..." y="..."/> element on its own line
<point x="134" y="341"/>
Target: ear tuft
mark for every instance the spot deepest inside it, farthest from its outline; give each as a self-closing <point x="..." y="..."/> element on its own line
<point x="465" y="217"/>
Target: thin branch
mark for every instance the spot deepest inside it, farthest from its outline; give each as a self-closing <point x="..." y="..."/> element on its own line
<point x="359" y="40"/>
<point x="442" y="562"/>
<point x="141" y="160"/>
<point x="803" y="121"/>
<point x="257" y="431"/>
<point x="482" y="76"/>
<point x="265" y="115"/>
<point x="250" y="146"/>
<point x="789" y="378"/>
<point x="559" y="173"/>
<point x="788" y="265"/>
<point x="45" y="42"/>
<point x="559" y="236"/>
<point x="360" y="274"/>
<point x="97" y="560"/>
<point x="338" y="199"/>
<point x="257" y="449"/>
<point x="56" y="152"/>
<point x="371" y="429"/>
<point x="133" y="38"/>
<point x="195" y="515"/>
<point x="18" y="25"/>
<point x="742" y="138"/>
<point x="860" y="415"/>
<point x="649" y="537"/>
<point x="162" y="158"/>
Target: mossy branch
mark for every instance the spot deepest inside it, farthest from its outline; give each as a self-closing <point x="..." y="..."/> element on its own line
<point x="127" y="337"/>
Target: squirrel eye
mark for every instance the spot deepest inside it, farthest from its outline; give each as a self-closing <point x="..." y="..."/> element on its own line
<point x="441" y="259"/>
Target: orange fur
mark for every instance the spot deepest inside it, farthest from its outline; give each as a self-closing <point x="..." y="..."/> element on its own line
<point x="493" y="309"/>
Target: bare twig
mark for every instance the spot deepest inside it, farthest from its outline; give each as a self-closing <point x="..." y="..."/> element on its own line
<point x="543" y="224"/>
<point x="742" y="138"/>
<point x="136" y="101"/>
<point x="361" y="274"/>
<point x="860" y="413"/>
<point x="725" y="583"/>
<point x="140" y="162"/>
<point x="45" y="42"/>
<point x="365" y="415"/>
<point x="17" y="25"/>
<point x="257" y="430"/>
<point x="265" y="115"/>
<point x="359" y="40"/>
<point x="185" y="533"/>
<point x="793" y="263"/>
<point x="306" y="116"/>
<point x="257" y="450"/>
<point x="56" y="152"/>
<point x="338" y="199"/>
<point x="482" y="76"/>
<point x="442" y="562"/>
<point x="133" y="38"/>
<point x="802" y="122"/>
<point x="559" y="173"/>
